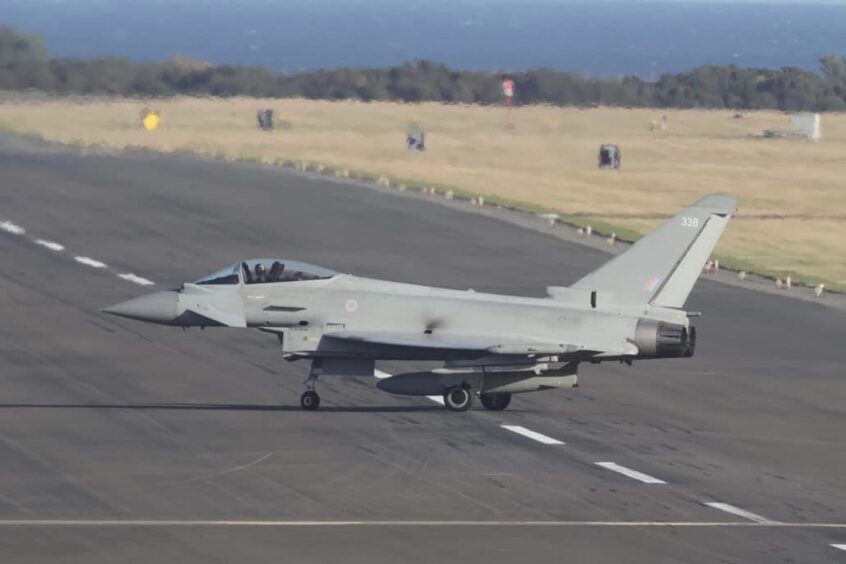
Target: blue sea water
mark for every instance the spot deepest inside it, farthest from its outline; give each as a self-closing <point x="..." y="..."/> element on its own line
<point x="601" y="38"/>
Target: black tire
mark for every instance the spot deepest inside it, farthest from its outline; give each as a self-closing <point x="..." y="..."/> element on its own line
<point x="309" y="401"/>
<point x="495" y="402"/>
<point x="458" y="398"/>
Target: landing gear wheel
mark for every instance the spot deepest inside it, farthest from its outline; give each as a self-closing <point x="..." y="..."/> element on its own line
<point x="495" y="402"/>
<point x="458" y="398"/>
<point x="310" y="400"/>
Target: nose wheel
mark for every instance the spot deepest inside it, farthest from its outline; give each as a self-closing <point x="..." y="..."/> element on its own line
<point x="309" y="401"/>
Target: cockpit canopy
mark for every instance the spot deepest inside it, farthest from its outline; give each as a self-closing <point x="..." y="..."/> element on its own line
<point x="266" y="271"/>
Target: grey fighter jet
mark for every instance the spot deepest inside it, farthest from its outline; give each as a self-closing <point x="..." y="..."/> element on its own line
<point x="491" y="345"/>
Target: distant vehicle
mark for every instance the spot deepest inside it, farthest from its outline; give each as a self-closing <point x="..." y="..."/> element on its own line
<point x="491" y="345"/>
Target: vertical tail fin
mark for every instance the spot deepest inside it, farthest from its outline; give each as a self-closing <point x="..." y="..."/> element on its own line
<point x="662" y="267"/>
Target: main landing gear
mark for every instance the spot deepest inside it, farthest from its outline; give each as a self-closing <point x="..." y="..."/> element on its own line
<point x="458" y="398"/>
<point x="495" y="402"/>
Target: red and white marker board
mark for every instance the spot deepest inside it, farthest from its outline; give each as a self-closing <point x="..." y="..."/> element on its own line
<point x="508" y="88"/>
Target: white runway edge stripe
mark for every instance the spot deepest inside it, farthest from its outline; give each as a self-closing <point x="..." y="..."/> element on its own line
<point x="10" y="227"/>
<point x="129" y="277"/>
<point x="839" y="546"/>
<point x="53" y="246"/>
<point x="634" y="474"/>
<point x="393" y="524"/>
<point x="532" y="435"/>
<point x="740" y="512"/>
<point x="90" y="262"/>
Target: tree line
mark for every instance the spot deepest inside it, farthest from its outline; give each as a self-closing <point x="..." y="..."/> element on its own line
<point x="26" y="65"/>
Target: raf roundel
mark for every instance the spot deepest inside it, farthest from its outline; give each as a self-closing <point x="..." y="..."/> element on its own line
<point x="351" y="305"/>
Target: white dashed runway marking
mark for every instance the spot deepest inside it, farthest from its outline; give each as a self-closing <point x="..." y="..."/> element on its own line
<point x="53" y="246"/>
<point x="129" y="277"/>
<point x="634" y="474"/>
<point x="740" y="512"/>
<point x="16" y="229"/>
<point x="532" y="434"/>
<point x="90" y="262"/>
<point x="839" y="546"/>
<point x="10" y="227"/>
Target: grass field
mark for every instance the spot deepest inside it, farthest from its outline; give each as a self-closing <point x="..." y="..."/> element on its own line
<point x="792" y="217"/>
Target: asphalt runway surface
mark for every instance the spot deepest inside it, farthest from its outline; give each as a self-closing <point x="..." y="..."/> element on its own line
<point x="125" y="442"/>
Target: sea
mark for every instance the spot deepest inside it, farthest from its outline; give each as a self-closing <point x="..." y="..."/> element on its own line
<point x="604" y="38"/>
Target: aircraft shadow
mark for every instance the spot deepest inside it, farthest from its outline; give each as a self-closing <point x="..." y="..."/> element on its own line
<point x="223" y="407"/>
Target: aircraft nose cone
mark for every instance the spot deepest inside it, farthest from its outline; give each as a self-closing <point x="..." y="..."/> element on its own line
<point x="158" y="307"/>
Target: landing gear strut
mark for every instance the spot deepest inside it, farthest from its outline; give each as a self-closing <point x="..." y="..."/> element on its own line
<point x="310" y="401"/>
<point x="458" y="398"/>
<point x="495" y="402"/>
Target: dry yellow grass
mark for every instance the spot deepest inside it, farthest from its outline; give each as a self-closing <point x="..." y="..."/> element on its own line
<point x="792" y="192"/>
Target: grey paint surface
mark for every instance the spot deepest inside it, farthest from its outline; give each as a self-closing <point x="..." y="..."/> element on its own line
<point x="103" y="418"/>
<point x="613" y="313"/>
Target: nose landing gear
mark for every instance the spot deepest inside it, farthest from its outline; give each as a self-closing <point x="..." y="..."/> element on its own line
<point x="310" y="400"/>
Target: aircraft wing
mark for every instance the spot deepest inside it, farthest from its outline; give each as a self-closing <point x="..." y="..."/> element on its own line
<point x="493" y="344"/>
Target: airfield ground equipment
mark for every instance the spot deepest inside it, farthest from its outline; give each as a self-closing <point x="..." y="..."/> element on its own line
<point x="609" y="156"/>
<point x="264" y="119"/>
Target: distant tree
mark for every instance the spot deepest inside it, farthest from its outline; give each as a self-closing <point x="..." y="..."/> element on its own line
<point x="833" y="68"/>
<point x="25" y="64"/>
<point x="16" y="47"/>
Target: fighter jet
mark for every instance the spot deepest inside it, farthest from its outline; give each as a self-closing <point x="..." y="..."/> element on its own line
<point x="491" y="346"/>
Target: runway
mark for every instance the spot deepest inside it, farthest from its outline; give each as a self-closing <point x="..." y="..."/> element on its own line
<point x="121" y="441"/>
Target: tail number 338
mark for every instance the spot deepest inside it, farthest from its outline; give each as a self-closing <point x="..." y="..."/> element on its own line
<point x="688" y="221"/>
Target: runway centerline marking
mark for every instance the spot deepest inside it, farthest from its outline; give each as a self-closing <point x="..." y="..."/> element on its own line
<point x="534" y="435"/>
<point x="12" y="228"/>
<point x="740" y="512"/>
<point x="52" y="245"/>
<point x="395" y="524"/>
<point x="16" y="229"/>
<point x="134" y="278"/>
<point x="838" y="546"/>
<point x="634" y="474"/>
<point x="87" y="261"/>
